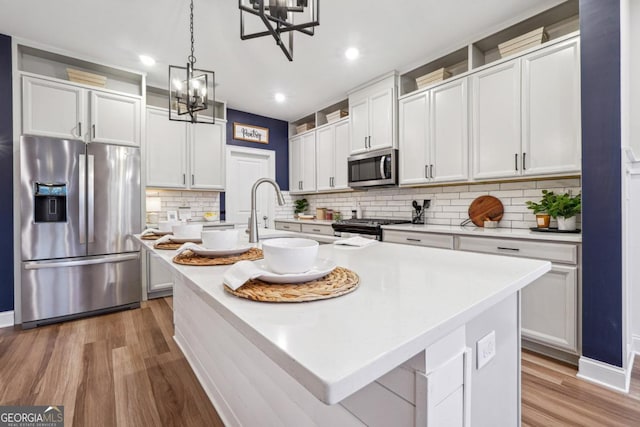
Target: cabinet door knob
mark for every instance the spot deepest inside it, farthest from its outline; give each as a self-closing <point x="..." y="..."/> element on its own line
<point x="79" y="128"/>
<point x="431" y="171"/>
<point x="193" y="179"/>
<point x="93" y="131"/>
<point x="426" y="171"/>
<point x="184" y="179"/>
<point x="516" y="162"/>
<point x="524" y="161"/>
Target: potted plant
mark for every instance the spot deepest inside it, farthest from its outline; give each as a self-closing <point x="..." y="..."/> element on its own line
<point x="301" y="205"/>
<point x="541" y="209"/>
<point x="565" y="207"/>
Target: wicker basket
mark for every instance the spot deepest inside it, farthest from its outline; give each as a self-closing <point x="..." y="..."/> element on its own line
<point x="304" y="127"/>
<point x="85" y="78"/>
<point x="523" y="42"/>
<point x="432" y="77"/>
<point x="336" y="115"/>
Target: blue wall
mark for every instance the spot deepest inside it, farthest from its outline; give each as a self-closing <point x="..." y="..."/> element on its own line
<point x="278" y="142"/>
<point x="601" y="181"/>
<point x="6" y="175"/>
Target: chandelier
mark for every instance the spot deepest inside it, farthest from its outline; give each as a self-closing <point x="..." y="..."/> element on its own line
<point x="190" y="89"/>
<point x="278" y="17"/>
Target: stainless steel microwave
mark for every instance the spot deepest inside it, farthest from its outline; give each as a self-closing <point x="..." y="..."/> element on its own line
<point x="374" y="169"/>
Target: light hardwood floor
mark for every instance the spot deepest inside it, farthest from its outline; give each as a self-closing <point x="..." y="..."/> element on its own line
<point x="124" y="369"/>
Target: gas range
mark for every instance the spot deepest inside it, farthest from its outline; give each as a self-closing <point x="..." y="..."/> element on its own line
<point x="364" y="226"/>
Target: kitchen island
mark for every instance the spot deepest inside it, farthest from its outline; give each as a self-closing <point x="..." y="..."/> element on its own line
<point x="400" y="350"/>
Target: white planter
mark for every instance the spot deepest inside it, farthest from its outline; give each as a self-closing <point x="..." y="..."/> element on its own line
<point x="566" y="224"/>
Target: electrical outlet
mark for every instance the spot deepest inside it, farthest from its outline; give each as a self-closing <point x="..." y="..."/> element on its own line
<point x="486" y="349"/>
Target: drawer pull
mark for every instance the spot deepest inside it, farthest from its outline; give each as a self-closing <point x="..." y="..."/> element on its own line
<point x="508" y="249"/>
<point x="413" y="240"/>
<point x="286" y="226"/>
<point x="315" y="229"/>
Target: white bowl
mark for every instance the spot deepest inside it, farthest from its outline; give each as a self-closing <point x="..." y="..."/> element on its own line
<point x="187" y="231"/>
<point x="210" y="216"/>
<point x="290" y="255"/>
<point x="166" y="225"/>
<point x="220" y="239"/>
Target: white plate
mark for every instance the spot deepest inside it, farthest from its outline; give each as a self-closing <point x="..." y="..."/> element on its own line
<point x="185" y="239"/>
<point x="221" y="252"/>
<point x="320" y="268"/>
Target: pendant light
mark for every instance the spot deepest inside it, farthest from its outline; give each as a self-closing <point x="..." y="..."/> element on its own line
<point x="191" y="90"/>
<point x="280" y="19"/>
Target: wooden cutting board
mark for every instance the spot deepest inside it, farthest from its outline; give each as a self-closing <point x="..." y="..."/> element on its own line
<point x="485" y="207"/>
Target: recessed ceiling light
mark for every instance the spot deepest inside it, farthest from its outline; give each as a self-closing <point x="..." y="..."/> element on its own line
<point x="147" y="60"/>
<point x="280" y="97"/>
<point x="352" y="53"/>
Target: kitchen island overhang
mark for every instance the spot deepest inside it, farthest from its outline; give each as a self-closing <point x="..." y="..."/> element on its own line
<point x="409" y="299"/>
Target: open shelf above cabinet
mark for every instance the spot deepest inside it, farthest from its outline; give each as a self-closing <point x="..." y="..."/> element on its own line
<point x="329" y="114"/>
<point x="555" y="23"/>
<point x="50" y="64"/>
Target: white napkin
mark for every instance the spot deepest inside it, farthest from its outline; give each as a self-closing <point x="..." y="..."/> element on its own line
<point x="149" y="231"/>
<point x="164" y="239"/>
<point x="240" y="272"/>
<point x="355" y="241"/>
<point x="188" y="246"/>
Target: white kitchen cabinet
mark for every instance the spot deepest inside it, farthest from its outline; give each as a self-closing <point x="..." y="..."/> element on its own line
<point x="59" y="110"/>
<point x="332" y="151"/>
<point x="496" y="121"/>
<point x="159" y="277"/>
<point x="115" y="119"/>
<point x="526" y="115"/>
<point x="414" y="139"/>
<point x="551" y="137"/>
<point x="550" y="304"/>
<point x="302" y="163"/>
<point x="372" y="111"/>
<point x="166" y="151"/>
<point x="549" y="308"/>
<point x="432" y="240"/>
<point x="184" y="155"/>
<point x="52" y="109"/>
<point x="433" y="135"/>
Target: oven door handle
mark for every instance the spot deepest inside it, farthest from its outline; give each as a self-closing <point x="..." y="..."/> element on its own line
<point x="382" y="174"/>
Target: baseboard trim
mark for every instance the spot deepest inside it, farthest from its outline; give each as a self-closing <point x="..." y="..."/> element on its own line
<point x="604" y="374"/>
<point x="6" y="319"/>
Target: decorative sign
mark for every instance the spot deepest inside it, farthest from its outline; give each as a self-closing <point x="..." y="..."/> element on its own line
<point x="250" y="133"/>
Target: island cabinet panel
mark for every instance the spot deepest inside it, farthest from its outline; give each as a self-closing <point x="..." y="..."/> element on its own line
<point x="159" y="277"/>
<point x="245" y="386"/>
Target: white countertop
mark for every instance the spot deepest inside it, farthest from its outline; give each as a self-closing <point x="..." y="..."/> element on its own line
<point x="408" y="298"/>
<point x="512" y="233"/>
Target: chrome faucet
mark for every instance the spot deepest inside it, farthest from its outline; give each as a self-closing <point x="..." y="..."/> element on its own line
<point x="253" y="219"/>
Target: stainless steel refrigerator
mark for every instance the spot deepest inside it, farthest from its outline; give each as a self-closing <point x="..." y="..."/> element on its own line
<point x="80" y="206"/>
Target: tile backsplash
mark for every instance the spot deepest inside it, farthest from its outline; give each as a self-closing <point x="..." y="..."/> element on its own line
<point x="198" y="201"/>
<point x="449" y="204"/>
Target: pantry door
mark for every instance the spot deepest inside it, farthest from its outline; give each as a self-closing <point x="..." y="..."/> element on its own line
<point x="244" y="167"/>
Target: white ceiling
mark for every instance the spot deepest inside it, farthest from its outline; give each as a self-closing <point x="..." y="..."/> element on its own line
<point x="391" y="34"/>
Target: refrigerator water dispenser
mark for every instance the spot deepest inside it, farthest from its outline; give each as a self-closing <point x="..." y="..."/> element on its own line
<point x="50" y="202"/>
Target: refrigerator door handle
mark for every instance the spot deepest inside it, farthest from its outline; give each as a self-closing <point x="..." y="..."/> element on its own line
<point x="109" y="259"/>
<point x="82" y="205"/>
<point x="90" y="197"/>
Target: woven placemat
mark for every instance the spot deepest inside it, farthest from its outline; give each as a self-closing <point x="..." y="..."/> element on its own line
<point x="150" y="237"/>
<point x="340" y="281"/>
<point x="191" y="258"/>
<point x="167" y="245"/>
